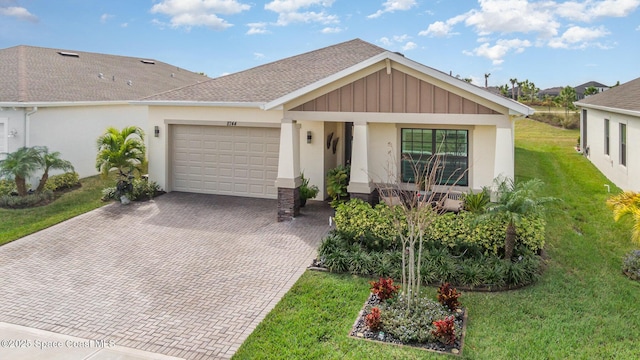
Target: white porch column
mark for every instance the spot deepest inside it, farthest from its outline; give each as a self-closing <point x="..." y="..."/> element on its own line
<point x="288" y="182"/>
<point x="505" y="152"/>
<point x="360" y="185"/>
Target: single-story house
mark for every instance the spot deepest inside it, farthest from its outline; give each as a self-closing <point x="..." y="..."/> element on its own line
<point x="65" y="99"/>
<point x="252" y="133"/>
<point x="580" y="89"/>
<point x="609" y="122"/>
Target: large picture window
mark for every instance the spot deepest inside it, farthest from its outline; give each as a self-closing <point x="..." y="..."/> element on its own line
<point x="420" y="146"/>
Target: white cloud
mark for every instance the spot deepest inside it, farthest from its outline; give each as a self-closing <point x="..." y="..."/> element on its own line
<point x="393" y="5"/>
<point x="124" y="25"/>
<point x="257" y="28"/>
<point x="258" y="55"/>
<point x="285" y="6"/>
<point x="289" y="11"/>
<point x="398" y="41"/>
<point x="591" y="10"/>
<point x="442" y="28"/>
<point x="578" y="37"/>
<point x="509" y="16"/>
<point x="497" y="52"/>
<point x="188" y="13"/>
<point x="331" y="30"/>
<point x="410" y="45"/>
<point x="105" y="17"/>
<point x="19" y="13"/>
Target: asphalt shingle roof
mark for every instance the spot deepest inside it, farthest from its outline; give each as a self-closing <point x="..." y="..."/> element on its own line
<point x="271" y="81"/>
<point x="625" y="96"/>
<point x="35" y="74"/>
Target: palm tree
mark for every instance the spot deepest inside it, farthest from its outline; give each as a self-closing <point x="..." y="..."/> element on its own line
<point x="123" y="150"/>
<point x="515" y="201"/>
<point x="627" y="203"/>
<point x="566" y="97"/>
<point x="20" y="165"/>
<point x="513" y="88"/>
<point x="48" y="161"/>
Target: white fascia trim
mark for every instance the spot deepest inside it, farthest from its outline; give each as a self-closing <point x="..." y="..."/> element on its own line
<point x="608" y="109"/>
<point x="515" y="108"/>
<point x="61" y="103"/>
<point x="258" y="105"/>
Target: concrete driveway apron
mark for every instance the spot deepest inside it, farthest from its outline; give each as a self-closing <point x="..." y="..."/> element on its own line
<point x="185" y="275"/>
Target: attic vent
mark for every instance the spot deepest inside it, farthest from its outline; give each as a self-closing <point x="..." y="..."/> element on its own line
<point x="70" y="54"/>
<point x="151" y="62"/>
<point x="173" y="75"/>
<point x="399" y="53"/>
<point x="129" y="82"/>
<point x="101" y="75"/>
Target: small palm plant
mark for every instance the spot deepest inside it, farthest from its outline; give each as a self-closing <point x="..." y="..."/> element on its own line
<point x="20" y="165"/>
<point x="122" y="150"/>
<point x="515" y="201"/>
<point x="627" y="203"/>
<point x="49" y="161"/>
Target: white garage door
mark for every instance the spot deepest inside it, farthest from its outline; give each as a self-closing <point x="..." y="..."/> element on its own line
<point x="225" y="160"/>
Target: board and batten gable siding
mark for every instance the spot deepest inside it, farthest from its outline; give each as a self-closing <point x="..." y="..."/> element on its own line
<point x="397" y="92"/>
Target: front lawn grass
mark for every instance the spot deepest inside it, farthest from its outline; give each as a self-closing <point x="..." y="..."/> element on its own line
<point x="582" y="307"/>
<point x="21" y="222"/>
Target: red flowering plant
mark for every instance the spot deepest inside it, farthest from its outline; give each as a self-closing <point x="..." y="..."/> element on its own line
<point x="445" y="330"/>
<point x="373" y="319"/>
<point x="448" y="296"/>
<point x="384" y="288"/>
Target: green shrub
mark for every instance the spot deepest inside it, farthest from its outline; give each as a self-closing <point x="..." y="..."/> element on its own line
<point x="64" y="181"/>
<point x="7" y="187"/>
<point x="109" y="193"/>
<point x="360" y="263"/>
<point x="143" y="189"/>
<point x="21" y="202"/>
<point x="461" y="230"/>
<point x="415" y="325"/>
<point x="337" y="182"/>
<point x="371" y="226"/>
<point x="476" y="202"/>
<point x="631" y="265"/>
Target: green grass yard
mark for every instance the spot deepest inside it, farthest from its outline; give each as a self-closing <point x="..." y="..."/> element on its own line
<point x="18" y="223"/>
<point x="582" y="308"/>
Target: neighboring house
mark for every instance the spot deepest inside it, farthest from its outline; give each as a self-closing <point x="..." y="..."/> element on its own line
<point x="551" y="92"/>
<point x="609" y="122"/>
<point x="580" y="89"/>
<point x="65" y="99"/>
<point x="252" y="133"/>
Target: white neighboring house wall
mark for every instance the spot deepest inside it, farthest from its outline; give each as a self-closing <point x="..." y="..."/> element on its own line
<point x="625" y="177"/>
<point x="72" y="130"/>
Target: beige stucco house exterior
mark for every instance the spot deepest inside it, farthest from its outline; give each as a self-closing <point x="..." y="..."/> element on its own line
<point x="252" y="133"/>
<point x="65" y="99"/>
<point x="609" y="126"/>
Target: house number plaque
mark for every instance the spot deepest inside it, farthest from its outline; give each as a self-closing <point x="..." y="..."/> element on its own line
<point x="232" y="123"/>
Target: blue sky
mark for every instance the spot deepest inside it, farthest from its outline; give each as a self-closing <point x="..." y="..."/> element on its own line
<point x="552" y="43"/>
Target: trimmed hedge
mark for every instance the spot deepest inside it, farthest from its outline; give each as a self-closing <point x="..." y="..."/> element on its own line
<point x="373" y="228"/>
<point x="63" y="181"/>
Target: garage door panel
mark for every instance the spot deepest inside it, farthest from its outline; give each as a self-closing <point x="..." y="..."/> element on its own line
<point x="225" y="160"/>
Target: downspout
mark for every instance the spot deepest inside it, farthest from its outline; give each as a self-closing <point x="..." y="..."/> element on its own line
<point x="27" y="125"/>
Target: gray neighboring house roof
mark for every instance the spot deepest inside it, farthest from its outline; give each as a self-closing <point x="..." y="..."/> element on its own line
<point x="271" y="81"/>
<point x="623" y="97"/>
<point x="33" y="75"/>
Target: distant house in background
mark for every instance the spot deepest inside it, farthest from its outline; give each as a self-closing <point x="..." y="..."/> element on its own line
<point x="552" y="92"/>
<point x="610" y="122"/>
<point x="580" y="89"/>
<point x="65" y="99"/>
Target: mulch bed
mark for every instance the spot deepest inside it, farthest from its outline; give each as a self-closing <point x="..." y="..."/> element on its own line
<point x="361" y="331"/>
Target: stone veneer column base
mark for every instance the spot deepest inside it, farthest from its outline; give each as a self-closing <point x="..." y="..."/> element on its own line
<point x="373" y="198"/>
<point x="288" y="203"/>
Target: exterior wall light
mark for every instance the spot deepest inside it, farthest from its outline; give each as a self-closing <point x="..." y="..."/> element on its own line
<point x="309" y="137"/>
<point x="156" y="131"/>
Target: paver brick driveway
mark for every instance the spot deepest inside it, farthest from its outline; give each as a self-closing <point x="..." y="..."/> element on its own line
<point x="185" y="275"/>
